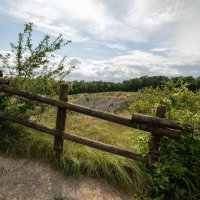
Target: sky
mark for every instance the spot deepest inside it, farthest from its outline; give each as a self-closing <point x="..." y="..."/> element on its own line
<point x="113" y="40"/>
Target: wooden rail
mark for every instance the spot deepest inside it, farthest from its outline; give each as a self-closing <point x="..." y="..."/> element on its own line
<point x="164" y="131"/>
<point x="162" y="122"/>
<point x="157" y="126"/>
<point x="77" y="139"/>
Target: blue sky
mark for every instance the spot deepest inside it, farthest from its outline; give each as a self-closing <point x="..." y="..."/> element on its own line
<point x="113" y="40"/>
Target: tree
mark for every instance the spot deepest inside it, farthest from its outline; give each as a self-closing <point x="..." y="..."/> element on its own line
<point x="34" y="62"/>
<point x="33" y="67"/>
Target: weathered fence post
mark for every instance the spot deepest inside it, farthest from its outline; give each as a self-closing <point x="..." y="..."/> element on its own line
<point x="1" y="74"/>
<point x="155" y="138"/>
<point x="60" y="120"/>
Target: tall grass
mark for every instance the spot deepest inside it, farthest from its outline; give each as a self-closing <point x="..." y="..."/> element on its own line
<point x="77" y="159"/>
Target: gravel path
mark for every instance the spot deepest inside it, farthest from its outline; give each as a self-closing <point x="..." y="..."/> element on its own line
<point x="22" y="179"/>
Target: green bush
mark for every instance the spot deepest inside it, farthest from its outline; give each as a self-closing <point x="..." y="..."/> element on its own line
<point x="176" y="173"/>
<point x="29" y="67"/>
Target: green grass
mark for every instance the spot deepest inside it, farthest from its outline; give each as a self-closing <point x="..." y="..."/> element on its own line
<point x="79" y="159"/>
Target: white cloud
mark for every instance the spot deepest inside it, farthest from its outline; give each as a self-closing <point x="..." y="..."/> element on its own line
<point x="117" y="46"/>
<point x="45" y="17"/>
<point x="73" y="18"/>
<point x="159" y="49"/>
<point x="131" y="20"/>
<point x="169" y="29"/>
<point x="134" y="64"/>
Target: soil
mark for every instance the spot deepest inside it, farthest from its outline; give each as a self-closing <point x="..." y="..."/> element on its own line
<point x="22" y="179"/>
<point x="106" y="104"/>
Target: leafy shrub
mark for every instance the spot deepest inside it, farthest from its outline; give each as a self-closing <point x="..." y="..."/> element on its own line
<point x="176" y="173"/>
<point x="29" y="66"/>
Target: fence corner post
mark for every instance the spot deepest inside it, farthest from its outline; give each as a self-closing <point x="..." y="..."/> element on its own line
<point x="154" y="139"/>
<point x="60" y="121"/>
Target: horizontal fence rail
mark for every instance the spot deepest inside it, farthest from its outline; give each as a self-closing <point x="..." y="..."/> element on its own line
<point x="162" y="122"/>
<point x="77" y="139"/>
<point x="163" y="131"/>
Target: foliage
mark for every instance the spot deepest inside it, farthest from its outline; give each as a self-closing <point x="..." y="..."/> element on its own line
<point x="176" y="173"/>
<point x="133" y="85"/>
<point x="31" y="67"/>
<point x="31" y="61"/>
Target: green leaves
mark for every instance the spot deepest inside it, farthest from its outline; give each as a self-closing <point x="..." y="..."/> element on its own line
<point x="176" y="174"/>
<point x="32" y="67"/>
<point x="32" y="60"/>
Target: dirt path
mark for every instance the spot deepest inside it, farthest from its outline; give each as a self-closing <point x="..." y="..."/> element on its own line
<point x="22" y="179"/>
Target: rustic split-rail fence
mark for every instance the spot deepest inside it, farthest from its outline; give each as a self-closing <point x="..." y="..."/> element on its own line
<point x="158" y="126"/>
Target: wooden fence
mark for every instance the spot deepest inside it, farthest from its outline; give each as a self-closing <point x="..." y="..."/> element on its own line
<point x="158" y="126"/>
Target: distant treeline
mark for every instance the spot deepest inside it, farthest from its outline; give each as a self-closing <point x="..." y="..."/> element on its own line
<point x="132" y="85"/>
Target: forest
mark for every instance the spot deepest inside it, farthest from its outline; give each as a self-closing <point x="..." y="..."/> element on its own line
<point x="132" y="85"/>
